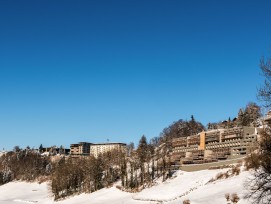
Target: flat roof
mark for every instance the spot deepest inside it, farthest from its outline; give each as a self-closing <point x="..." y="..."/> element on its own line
<point x="109" y="143"/>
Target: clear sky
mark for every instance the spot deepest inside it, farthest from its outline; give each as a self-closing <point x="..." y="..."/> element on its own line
<point x="74" y="71"/>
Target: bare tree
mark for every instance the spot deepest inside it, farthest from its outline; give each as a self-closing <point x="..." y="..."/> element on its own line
<point x="264" y="93"/>
<point x="250" y="115"/>
<point x="181" y="128"/>
<point x="260" y="185"/>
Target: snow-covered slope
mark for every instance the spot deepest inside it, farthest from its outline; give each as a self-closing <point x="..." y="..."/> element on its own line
<point x="182" y="184"/>
<point x="215" y="192"/>
<point x="22" y="192"/>
<point x="185" y="185"/>
<point x="110" y="195"/>
<point x="195" y="187"/>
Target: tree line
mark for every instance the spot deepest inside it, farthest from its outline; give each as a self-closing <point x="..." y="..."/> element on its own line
<point x="24" y="164"/>
<point x="136" y="169"/>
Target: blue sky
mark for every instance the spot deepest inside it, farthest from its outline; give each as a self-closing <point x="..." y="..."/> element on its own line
<point x="74" y="71"/>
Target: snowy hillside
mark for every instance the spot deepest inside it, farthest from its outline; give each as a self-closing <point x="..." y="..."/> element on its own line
<point x="184" y="185"/>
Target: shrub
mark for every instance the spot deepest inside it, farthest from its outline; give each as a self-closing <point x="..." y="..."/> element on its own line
<point x="252" y="161"/>
<point x="219" y="176"/>
<point x="186" y="201"/>
<point x="227" y="196"/>
<point x="234" y="198"/>
<point x="235" y="170"/>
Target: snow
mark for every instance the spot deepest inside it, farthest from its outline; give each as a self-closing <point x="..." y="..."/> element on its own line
<point x="22" y="192"/>
<point x="110" y="195"/>
<point x="45" y="154"/>
<point x="2" y="153"/>
<point x="177" y="187"/>
<point x="184" y="185"/>
<point x="216" y="191"/>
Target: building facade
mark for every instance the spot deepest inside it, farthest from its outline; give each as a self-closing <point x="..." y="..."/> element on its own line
<point x="53" y="150"/>
<point x="87" y="149"/>
<point x="82" y="148"/>
<point x="96" y="149"/>
<point x="214" y="145"/>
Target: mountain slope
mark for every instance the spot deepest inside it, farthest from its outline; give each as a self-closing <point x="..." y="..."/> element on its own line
<point x="184" y="185"/>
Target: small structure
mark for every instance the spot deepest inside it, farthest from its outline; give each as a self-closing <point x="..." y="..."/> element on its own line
<point x="54" y="150"/>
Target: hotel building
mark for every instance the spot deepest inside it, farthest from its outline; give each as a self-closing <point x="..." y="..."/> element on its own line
<point x="87" y="149"/>
<point x="214" y="145"/>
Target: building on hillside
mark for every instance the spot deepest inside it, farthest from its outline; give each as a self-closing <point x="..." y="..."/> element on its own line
<point x="87" y="149"/>
<point x="214" y="145"/>
<point x="53" y="150"/>
<point x="82" y="148"/>
<point x="96" y="149"/>
<point x="267" y="119"/>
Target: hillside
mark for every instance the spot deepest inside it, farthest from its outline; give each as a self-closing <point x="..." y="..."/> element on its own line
<point x="184" y="185"/>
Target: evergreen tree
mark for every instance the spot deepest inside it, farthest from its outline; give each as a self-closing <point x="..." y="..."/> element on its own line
<point x="16" y="148"/>
<point x="41" y="148"/>
<point x="141" y="151"/>
<point x="130" y="148"/>
<point x="240" y="117"/>
<point x="61" y="149"/>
